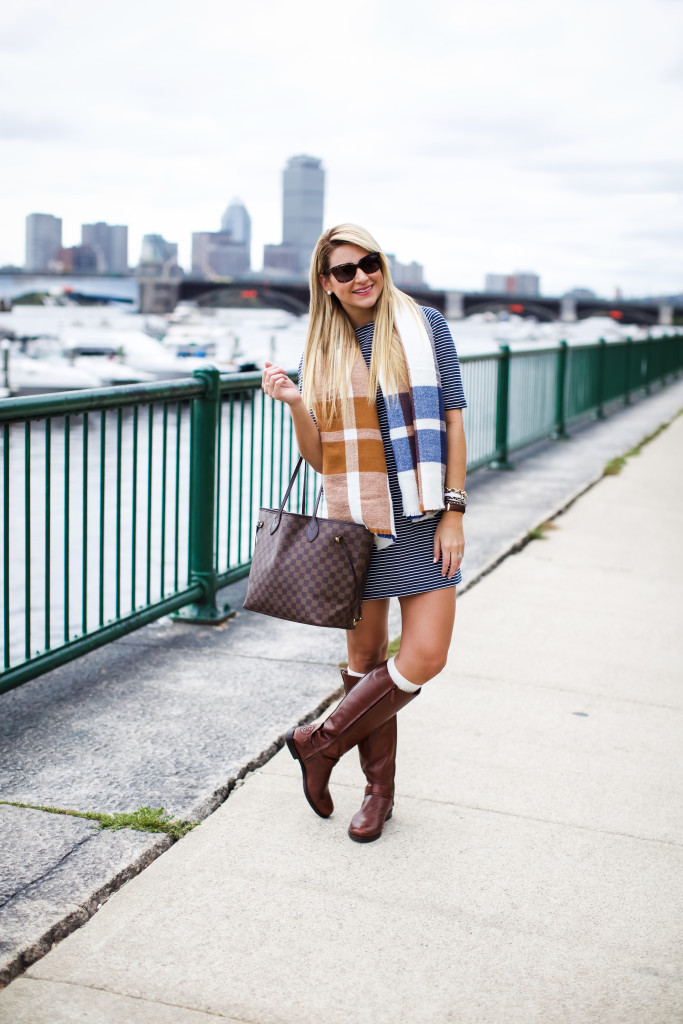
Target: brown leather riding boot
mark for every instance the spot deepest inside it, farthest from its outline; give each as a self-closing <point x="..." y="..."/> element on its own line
<point x="372" y="702"/>
<point x="377" y="754"/>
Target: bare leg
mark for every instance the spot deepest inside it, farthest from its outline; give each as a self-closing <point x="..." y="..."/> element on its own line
<point x="367" y="644"/>
<point x="426" y="631"/>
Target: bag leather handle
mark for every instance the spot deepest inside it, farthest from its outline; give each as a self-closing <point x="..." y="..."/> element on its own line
<point x="313" y="529"/>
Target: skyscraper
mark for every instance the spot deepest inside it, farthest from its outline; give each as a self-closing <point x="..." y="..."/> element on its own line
<point x="118" y="249"/>
<point x="237" y="221"/>
<point x="303" y="196"/>
<point x="158" y="258"/>
<point x="43" y="240"/>
<point x="224" y="253"/>
<point x="110" y="242"/>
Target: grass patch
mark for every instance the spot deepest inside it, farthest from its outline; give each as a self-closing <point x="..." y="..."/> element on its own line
<point x="614" y="466"/>
<point x="394" y="646"/>
<point x="650" y="437"/>
<point x="392" y="651"/>
<point x="145" y="819"/>
<point x="539" y="532"/>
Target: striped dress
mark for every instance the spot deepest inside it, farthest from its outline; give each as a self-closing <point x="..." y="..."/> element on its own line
<point x="407" y="567"/>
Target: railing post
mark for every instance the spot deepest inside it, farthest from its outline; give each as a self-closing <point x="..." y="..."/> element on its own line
<point x="560" y="432"/>
<point x="5" y="346"/>
<point x="602" y="378"/>
<point x="501" y="460"/>
<point x="651" y="364"/>
<point x="628" y="370"/>
<point x="202" y="527"/>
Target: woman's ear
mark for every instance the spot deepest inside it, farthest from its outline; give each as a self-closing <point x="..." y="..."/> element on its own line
<point x="325" y="283"/>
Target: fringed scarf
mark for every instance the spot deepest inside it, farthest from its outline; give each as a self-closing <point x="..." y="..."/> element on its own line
<point x="354" y="467"/>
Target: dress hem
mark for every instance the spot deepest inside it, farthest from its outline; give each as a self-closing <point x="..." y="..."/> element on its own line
<point x="412" y="593"/>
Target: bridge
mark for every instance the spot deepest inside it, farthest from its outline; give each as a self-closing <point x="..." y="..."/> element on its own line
<point x="161" y="295"/>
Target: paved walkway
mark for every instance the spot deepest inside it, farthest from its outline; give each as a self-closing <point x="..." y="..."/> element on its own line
<point x="532" y="870"/>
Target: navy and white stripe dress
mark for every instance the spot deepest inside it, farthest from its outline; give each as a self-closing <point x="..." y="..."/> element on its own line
<point x="407" y="566"/>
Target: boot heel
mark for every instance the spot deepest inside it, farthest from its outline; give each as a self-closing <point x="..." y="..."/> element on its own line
<point x="289" y="740"/>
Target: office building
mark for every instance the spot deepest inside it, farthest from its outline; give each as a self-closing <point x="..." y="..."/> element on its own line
<point x="237" y="222"/>
<point x="522" y="282"/>
<point x="406" y="275"/>
<point x="224" y="253"/>
<point x="526" y="283"/>
<point x="79" y="259"/>
<point x="303" y="196"/>
<point x="118" y="249"/>
<point x="110" y="242"/>
<point x="496" y="283"/>
<point x="158" y="258"/>
<point x="282" y="260"/>
<point x="214" y="254"/>
<point x="43" y="240"/>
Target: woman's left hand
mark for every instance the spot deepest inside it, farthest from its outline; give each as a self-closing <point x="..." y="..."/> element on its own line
<point x="449" y="543"/>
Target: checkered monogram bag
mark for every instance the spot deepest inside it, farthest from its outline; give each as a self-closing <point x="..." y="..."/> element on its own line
<point x="308" y="569"/>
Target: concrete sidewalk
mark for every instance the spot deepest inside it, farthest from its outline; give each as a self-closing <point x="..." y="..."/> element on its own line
<point x="174" y="715"/>
<point x="532" y="870"/>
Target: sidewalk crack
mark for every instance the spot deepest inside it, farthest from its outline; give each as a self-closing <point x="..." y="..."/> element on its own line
<point x="46" y="874"/>
<point x="141" y="999"/>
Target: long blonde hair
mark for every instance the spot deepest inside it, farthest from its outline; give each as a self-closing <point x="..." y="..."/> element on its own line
<point x="331" y="346"/>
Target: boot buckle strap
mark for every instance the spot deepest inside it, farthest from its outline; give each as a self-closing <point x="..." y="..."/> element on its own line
<point x="374" y="789"/>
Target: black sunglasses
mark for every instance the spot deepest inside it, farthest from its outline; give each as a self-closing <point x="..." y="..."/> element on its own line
<point x="345" y="272"/>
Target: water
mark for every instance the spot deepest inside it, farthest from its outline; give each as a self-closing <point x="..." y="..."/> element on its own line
<point x="229" y="336"/>
<point x="109" y="499"/>
<point x="160" y="546"/>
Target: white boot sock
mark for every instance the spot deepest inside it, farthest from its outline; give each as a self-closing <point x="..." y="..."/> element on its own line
<point x="399" y="680"/>
<point x="356" y="675"/>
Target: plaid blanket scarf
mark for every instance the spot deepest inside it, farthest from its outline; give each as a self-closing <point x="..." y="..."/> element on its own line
<point x="354" y="466"/>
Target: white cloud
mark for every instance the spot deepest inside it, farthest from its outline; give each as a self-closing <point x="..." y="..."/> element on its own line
<point x="471" y="136"/>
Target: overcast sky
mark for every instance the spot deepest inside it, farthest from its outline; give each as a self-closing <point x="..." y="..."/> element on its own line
<point x="470" y="135"/>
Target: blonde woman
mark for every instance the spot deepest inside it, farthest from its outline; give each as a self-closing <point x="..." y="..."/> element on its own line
<point x="378" y="412"/>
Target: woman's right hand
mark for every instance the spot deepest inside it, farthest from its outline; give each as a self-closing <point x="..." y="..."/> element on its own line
<point x="277" y="384"/>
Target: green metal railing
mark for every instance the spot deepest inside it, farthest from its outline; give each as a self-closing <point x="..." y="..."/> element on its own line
<point x="122" y="505"/>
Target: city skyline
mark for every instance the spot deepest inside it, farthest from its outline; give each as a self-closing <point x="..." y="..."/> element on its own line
<point x="486" y="135"/>
<point x="159" y="257"/>
<point x="226" y="253"/>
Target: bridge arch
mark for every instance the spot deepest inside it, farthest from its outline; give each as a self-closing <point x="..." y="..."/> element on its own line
<point x="630" y="314"/>
<point x="498" y="305"/>
<point x="225" y="295"/>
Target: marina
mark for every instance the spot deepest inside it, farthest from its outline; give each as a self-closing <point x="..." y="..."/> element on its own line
<point x="55" y="347"/>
